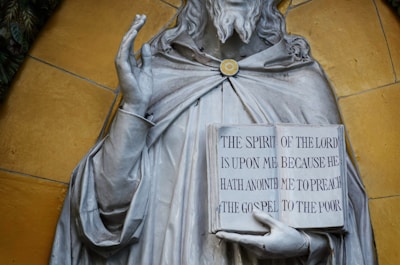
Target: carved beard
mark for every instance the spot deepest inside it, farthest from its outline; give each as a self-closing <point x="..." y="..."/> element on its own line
<point x="226" y="20"/>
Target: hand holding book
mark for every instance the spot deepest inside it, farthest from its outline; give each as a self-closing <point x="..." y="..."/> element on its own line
<point x="271" y="245"/>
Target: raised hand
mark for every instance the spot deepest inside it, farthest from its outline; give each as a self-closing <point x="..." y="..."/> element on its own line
<point x="136" y="82"/>
<point x="282" y="241"/>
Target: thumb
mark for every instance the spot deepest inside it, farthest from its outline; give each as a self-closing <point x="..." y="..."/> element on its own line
<point x="146" y="57"/>
<point x="266" y="219"/>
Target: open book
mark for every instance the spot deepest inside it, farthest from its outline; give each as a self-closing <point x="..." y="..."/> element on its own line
<point x="296" y="173"/>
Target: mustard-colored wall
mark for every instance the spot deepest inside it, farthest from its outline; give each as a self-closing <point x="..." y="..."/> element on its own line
<point x="67" y="87"/>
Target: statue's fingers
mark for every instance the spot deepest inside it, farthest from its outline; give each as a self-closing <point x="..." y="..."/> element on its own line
<point x="259" y="245"/>
<point x="138" y="22"/>
<point x="228" y="236"/>
<point x="123" y="56"/>
<point x="247" y="240"/>
<point x="146" y="58"/>
<point x="136" y="26"/>
<point x="132" y="59"/>
<point x="127" y="44"/>
<point x="266" y="219"/>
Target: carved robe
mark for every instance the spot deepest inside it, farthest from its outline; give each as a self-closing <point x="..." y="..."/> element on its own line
<point x="165" y="221"/>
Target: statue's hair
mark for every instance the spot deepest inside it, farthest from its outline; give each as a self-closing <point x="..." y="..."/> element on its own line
<point x="271" y="27"/>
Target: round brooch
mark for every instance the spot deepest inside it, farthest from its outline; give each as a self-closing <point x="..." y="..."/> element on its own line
<point x="229" y="67"/>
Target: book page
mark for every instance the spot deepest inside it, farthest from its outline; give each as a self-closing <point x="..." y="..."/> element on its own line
<point x="247" y="176"/>
<point x="311" y="171"/>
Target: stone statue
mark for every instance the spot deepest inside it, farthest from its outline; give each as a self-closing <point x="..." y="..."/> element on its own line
<point x="140" y="195"/>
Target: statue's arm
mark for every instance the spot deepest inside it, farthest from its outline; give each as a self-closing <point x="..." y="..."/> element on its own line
<point x="116" y="165"/>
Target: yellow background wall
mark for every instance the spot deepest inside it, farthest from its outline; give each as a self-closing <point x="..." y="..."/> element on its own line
<point x="66" y="90"/>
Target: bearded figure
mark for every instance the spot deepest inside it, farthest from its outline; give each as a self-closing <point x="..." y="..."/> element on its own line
<point x="140" y="195"/>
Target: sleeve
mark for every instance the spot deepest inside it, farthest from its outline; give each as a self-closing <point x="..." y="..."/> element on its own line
<point x="318" y="256"/>
<point x="116" y="165"/>
<point x="111" y="186"/>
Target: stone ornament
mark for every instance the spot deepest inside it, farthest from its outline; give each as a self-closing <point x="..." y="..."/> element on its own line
<point x="229" y="67"/>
